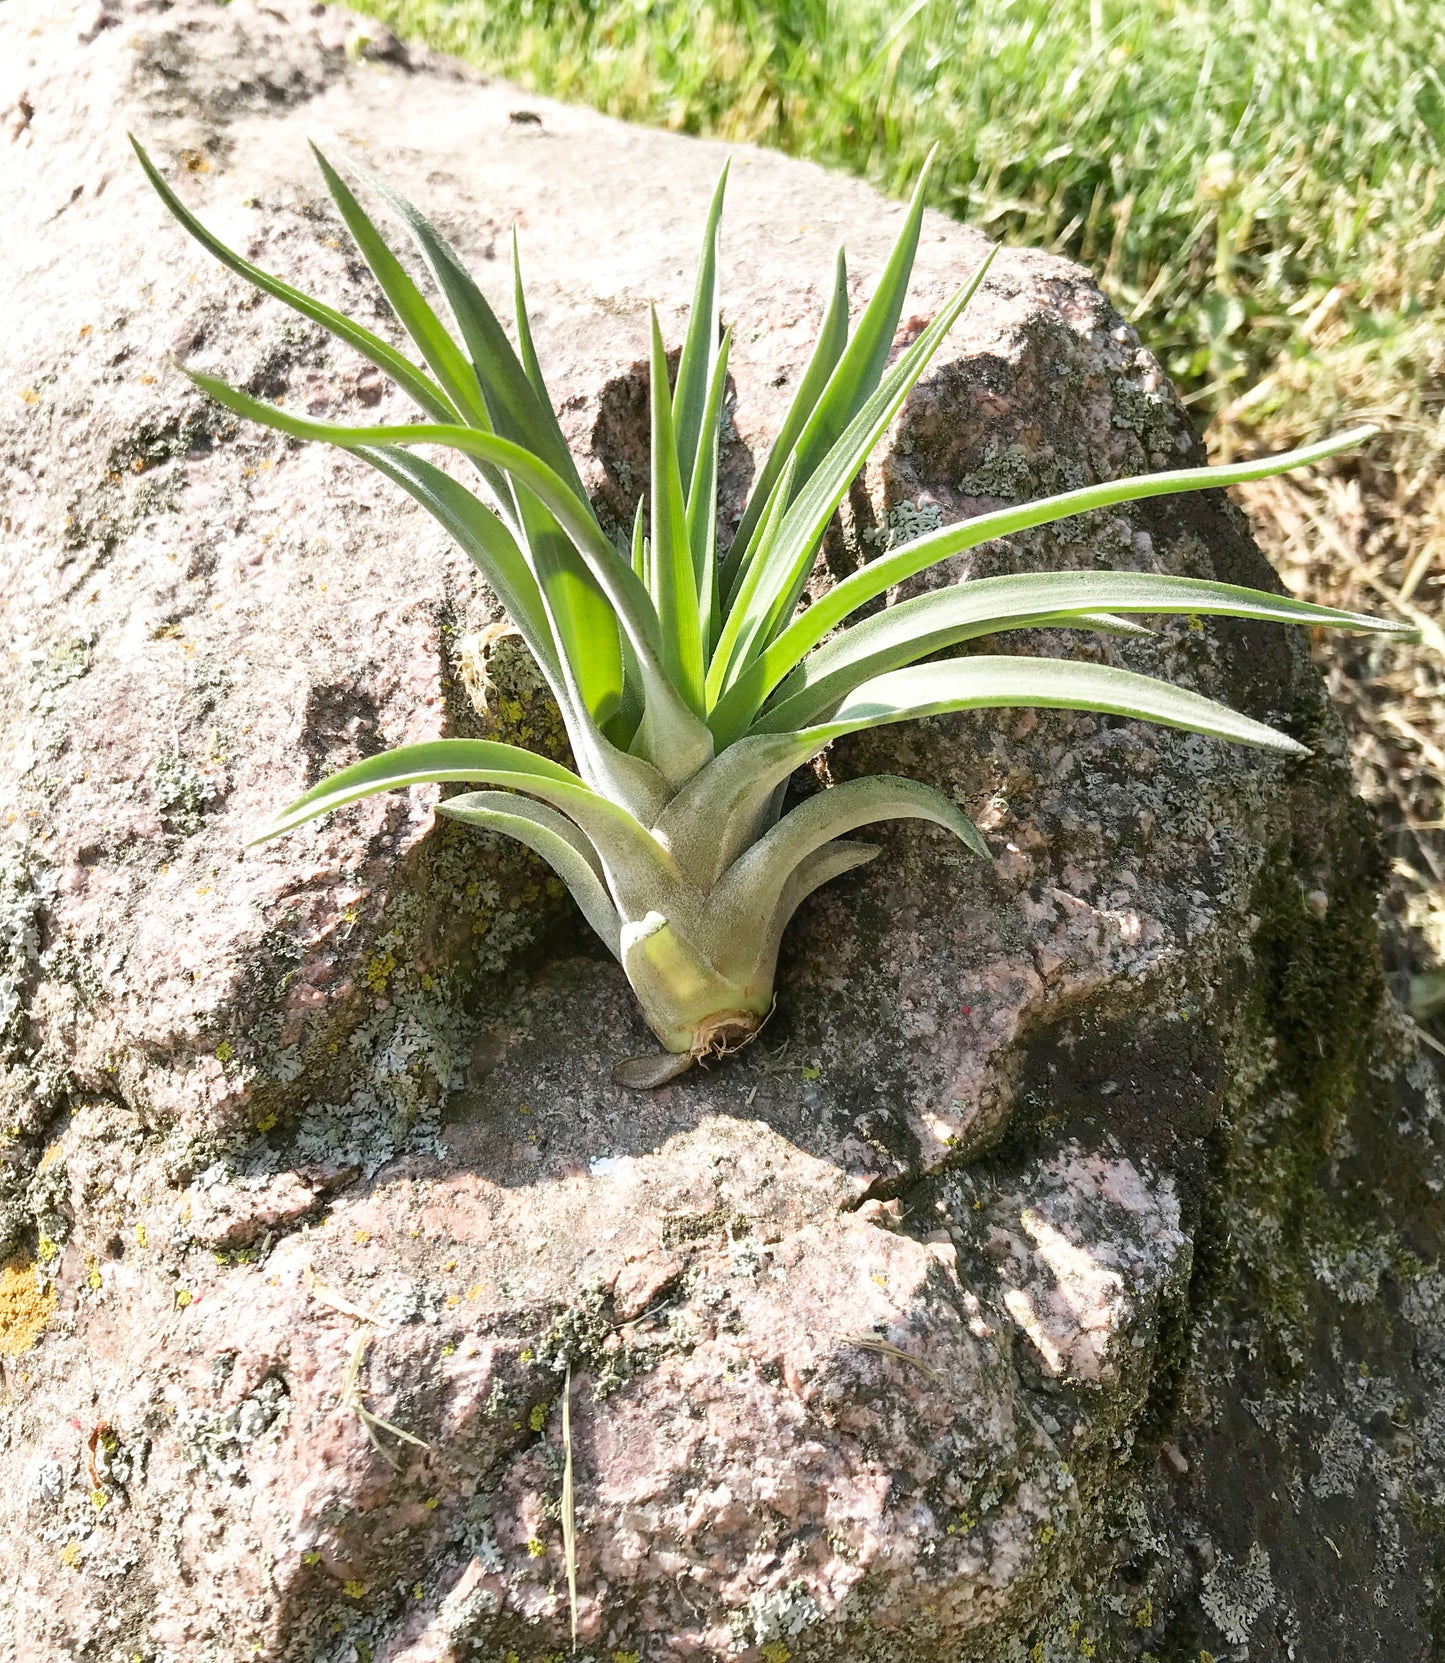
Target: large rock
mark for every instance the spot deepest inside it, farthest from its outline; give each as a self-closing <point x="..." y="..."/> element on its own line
<point x="1055" y="1277"/>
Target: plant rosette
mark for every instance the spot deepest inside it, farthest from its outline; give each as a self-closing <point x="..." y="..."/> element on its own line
<point x="690" y="683"/>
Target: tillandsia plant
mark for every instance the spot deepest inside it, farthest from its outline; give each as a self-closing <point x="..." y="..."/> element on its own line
<point x="690" y="682"/>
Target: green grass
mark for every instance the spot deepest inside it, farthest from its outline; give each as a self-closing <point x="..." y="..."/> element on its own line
<point x="1257" y="182"/>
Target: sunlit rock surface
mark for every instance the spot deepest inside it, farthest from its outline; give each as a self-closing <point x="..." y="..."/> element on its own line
<point x="1055" y="1276"/>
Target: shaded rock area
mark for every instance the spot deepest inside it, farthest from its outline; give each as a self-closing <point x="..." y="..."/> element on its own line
<point x="1057" y="1275"/>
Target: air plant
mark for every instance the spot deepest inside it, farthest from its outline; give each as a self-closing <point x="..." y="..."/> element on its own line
<point x="690" y="683"/>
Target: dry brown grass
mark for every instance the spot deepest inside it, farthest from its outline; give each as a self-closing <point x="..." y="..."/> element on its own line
<point x="1372" y="536"/>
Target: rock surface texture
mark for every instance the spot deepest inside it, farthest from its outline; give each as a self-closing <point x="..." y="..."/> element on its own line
<point x="1056" y="1275"/>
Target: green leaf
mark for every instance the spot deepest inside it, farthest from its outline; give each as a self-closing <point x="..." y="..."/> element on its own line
<point x="674" y="584"/>
<point x="640" y="550"/>
<point x="755" y="883"/>
<point x="562" y="845"/>
<point x="776" y="577"/>
<point x="965" y="611"/>
<point x="436" y="761"/>
<point x="633" y="862"/>
<point x="411" y="379"/>
<point x="1043" y="684"/>
<point x="485" y="541"/>
<point x="876" y="578"/>
<point x="702" y="504"/>
<point x="699" y="349"/>
<point x="832" y="338"/>
<point x="448" y="362"/>
<point x="742" y="609"/>
<point x="518" y="410"/>
<point x="526" y="350"/>
<point x="675" y="741"/>
<point x="857" y="373"/>
<point x="581" y="618"/>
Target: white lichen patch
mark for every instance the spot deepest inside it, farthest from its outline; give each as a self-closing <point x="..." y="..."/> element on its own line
<point x="776" y="1615"/>
<point x="414" y="1057"/>
<point x="216" y="1441"/>
<point x="27" y="887"/>
<point x="1235" y="1596"/>
<point x="902" y="523"/>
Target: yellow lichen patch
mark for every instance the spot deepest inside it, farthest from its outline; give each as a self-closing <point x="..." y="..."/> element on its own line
<point x="25" y="1307"/>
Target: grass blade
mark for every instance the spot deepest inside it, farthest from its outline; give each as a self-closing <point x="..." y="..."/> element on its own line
<point x="569" y="1505"/>
<point x="412" y="380"/>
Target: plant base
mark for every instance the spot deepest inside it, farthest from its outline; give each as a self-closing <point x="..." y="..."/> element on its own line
<point x="714" y="1036"/>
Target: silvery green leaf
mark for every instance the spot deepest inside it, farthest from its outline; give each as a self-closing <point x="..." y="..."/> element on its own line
<point x="560" y="843"/>
<point x="928" y="623"/>
<point x="985" y="682"/>
<point x="812" y="872"/>
<point x="782" y="571"/>
<point x="860" y="367"/>
<point x="729" y="804"/>
<point x="517" y="409"/>
<point x="411" y="379"/>
<point x="446" y="359"/>
<point x="671" y="737"/>
<point x="734" y="635"/>
<point x="433" y="762"/>
<point x="754" y="885"/>
<point x="485" y="540"/>
<point x="832" y="338"/>
<point x="702" y="504"/>
<point x="880" y="575"/>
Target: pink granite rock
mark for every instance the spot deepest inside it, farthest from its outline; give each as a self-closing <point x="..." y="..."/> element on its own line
<point x="873" y="1334"/>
